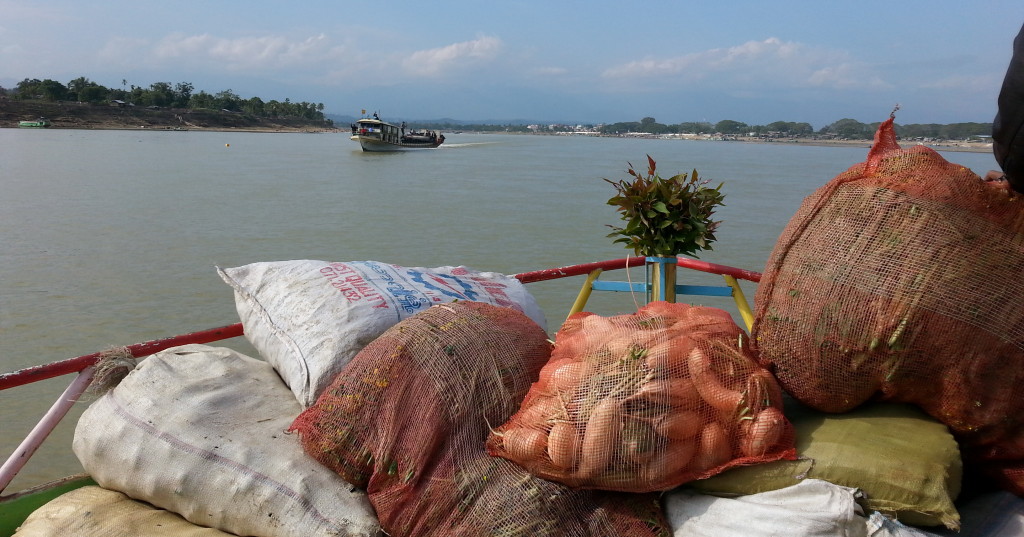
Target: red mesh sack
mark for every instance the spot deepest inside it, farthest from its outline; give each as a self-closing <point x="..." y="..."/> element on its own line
<point x="647" y="402"/>
<point x="900" y="280"/>
<point x="408" y="417"/>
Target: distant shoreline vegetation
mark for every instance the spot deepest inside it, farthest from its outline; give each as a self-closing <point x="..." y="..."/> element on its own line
<point x="161" y="95"/>
<point x="843" y="129"/>
<point x="182" y="95"/>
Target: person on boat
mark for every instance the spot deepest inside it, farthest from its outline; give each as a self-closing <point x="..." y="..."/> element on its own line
<point x="1008" y="125"/>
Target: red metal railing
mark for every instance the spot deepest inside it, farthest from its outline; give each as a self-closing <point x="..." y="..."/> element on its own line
<point x="83" y="364"/>
<point x="75" y="365"/>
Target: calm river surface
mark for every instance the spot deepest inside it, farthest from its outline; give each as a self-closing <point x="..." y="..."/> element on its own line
<point x="111" y="237"/>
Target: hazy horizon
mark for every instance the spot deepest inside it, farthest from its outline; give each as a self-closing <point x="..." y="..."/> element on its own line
<point x="566" y="62"/>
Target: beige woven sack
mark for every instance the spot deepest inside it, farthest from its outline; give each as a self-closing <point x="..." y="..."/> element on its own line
<point x="97" y="512"/>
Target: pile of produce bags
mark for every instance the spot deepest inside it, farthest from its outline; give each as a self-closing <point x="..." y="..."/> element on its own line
<point x="646" y="402"/>
<point x="408" y="416"/>
<point x="899" y="280"/>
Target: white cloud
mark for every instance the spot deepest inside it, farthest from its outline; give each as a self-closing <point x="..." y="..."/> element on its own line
<point x="971" y="83"/>
<point x="246" y="53"/>
<point x="124" y="51"/>
<point x="315" y="55"/>
<point x="550" y="71"/>
<point x="253" y="54"/>
<point x="768" y="63"/>
<point x="435" y="61"/>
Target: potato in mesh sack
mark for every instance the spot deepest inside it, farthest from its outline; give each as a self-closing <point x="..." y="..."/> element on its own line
<point x="900" y="280"/>
<point x="408" y="418"/>
<point x="647" y="402"/>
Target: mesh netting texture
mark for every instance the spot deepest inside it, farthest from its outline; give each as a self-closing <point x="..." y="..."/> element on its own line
<point x="647" y="402"/>
<point x="900" y="280"/>
<point x="408" y="418"/>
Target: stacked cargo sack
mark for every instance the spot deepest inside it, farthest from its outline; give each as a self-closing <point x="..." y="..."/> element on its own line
<point x="408" y="416"/>
<point x="905" y="463"/>
<point x="200" y="431"/>
<point x="900" y="280"/>
<point x="646" y="402"/>
<point x="811" y="508"/>
<point x="93" y="511"/>
<point x="308" y="318"/>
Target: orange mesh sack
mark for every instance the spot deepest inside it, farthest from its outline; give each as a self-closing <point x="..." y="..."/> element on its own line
<point x="408" y="417"/>
<point x="647" y="402"/>
<point x="900" y="280"/>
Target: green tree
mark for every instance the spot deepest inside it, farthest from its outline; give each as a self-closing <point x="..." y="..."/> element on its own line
<point x="254" y="106"/>
<point x="26" y="89"/>
<point x="77" y="85"/>
<point x="227" y="100"/>
<point x="201" y="100"/>
<point x="93" y="93"/>
<point x="137" y="95"/>
<point x="622" y="127"/>
<point x="728" y="126"/>
<point x="53" y="90"/>
<point x="273" y="109"/>
<point x="789" y="128"/>
<point x="850" y="128"/>
<point x="160" y="94"/>
<point x="182" y="94"/>
<point x="87" y="91"/>
<point x="695" y="127"/>
<point x="963" y="131"/>
<point x="802" y="129"/>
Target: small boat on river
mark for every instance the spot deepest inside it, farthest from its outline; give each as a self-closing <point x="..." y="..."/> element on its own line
<point x="40" y="123"/>
<point x="377" y="135"/>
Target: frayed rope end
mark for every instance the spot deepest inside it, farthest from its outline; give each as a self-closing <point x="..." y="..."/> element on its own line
<point x="112" y="366"/>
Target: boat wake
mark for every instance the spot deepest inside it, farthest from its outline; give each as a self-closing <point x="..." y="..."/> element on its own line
<point x="465" y="144"/>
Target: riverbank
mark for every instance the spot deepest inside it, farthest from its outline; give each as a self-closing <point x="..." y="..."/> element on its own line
<point x="938" y="145"/>
<point x="70" y="115"/>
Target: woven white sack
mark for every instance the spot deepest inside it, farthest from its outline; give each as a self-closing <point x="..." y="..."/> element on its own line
<point x="97" y="512"/>
<point x="812" y="508"/>
<point x="309" y="318"/>
<point x="200" y="431"/>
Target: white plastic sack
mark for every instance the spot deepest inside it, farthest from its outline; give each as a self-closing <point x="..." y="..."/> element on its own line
<point x="200" y="431"/>
<point x="309" y="318"/>
<point x="97" y="512"/>
<point x="812" y="508"/>
<point x="881" y="526"/>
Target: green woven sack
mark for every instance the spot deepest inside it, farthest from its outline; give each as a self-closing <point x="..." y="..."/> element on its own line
<point x="907" y="464"/>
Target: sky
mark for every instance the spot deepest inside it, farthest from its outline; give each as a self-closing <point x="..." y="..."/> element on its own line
<point x="546" y="61"/>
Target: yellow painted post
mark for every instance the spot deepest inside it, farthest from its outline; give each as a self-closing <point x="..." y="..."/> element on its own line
<point x="581" y="299"/>
<point x="670" y="282"/>
<point x="741" y="301"/>
<point x="654" y="275"/>
<point x="661" y="268"/>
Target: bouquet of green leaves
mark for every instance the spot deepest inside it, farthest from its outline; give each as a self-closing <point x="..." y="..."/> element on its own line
<point x="665" y="217"/>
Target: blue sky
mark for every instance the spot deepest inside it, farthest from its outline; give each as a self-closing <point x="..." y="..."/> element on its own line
<point x="550" y="61"/>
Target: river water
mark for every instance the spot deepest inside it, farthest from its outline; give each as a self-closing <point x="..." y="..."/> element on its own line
<point x="111" y="237"/>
